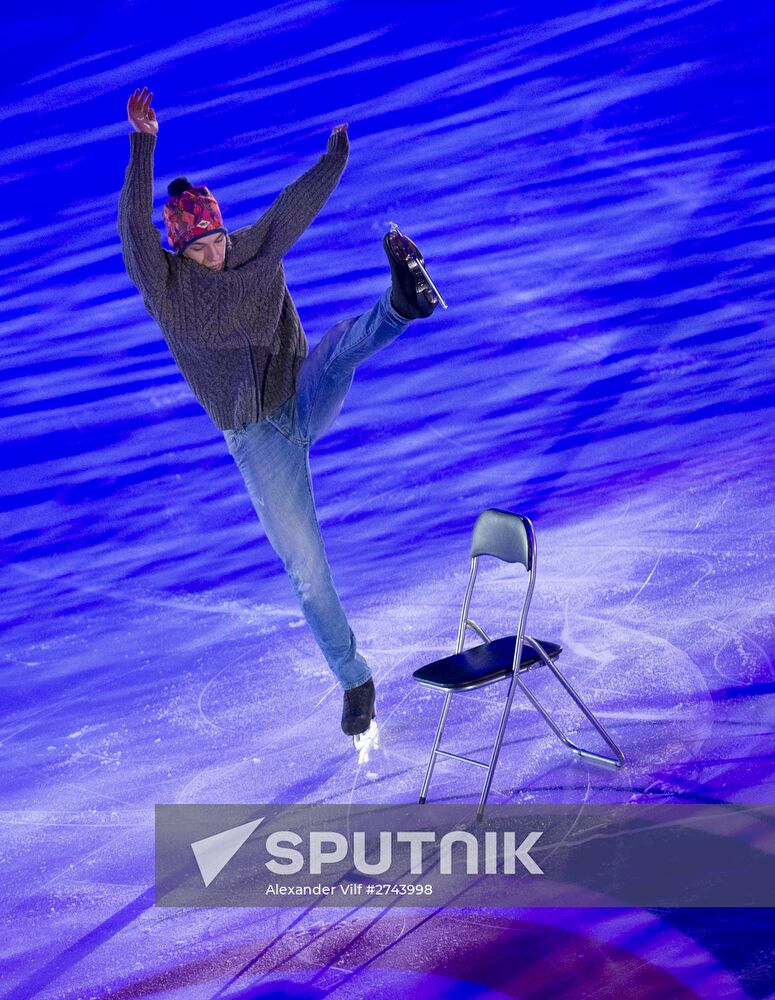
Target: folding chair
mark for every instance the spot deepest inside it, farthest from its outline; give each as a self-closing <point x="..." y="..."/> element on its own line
<point x="510" y="538"/>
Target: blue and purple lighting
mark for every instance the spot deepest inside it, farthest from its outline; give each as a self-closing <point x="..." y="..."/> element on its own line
<point x="593" y="188"/>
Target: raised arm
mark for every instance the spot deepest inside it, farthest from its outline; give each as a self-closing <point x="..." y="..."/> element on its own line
<point x="146" y="262"/>
<point x="298" y="204"/>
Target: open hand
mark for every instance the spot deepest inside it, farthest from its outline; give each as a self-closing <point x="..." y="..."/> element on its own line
<point x="338" y="142"/>
<point x="141" y="115"/>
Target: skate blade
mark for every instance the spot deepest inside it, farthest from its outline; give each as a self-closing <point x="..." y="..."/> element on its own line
<point x="366" y="743"/>
<point x="428" y="278"/>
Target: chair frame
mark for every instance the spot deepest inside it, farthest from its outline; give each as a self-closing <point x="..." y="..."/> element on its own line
<point x="516" y="680"/>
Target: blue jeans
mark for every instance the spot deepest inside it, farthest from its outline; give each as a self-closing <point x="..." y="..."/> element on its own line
<point x="273" y="456"/>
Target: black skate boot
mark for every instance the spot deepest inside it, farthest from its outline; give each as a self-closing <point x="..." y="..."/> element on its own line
<point x="414" y="294"/>
<point x="358" y="709"/>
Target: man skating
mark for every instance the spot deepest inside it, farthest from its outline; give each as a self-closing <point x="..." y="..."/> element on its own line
<point x="229" y="320"/>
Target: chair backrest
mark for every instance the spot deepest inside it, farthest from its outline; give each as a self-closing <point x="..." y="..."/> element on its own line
<point x="506" y="536"/>
<point x="509" y="537"/>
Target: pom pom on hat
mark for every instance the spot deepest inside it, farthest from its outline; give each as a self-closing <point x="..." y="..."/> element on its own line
<point x="178" y="186"/>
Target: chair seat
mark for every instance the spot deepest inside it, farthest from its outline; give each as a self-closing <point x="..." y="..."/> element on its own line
<point x="481" y="665"/>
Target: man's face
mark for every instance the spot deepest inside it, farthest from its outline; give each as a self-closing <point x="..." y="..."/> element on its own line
<point x="209" y="251"/>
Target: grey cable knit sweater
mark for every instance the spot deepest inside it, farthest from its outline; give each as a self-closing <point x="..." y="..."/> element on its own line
<point x="235" y="333"/>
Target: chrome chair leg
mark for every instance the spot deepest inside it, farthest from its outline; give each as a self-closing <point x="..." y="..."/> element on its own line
<point x="436" y="741"/>
<point x="590" y="754"/>
<point x="496" y="749"/>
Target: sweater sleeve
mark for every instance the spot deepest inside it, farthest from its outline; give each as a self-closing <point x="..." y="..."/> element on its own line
<point x="297" y="205"/>
<point x="145" y="261"/>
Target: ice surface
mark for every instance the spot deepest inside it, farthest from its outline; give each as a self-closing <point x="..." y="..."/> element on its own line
<point x="592" y="191"/>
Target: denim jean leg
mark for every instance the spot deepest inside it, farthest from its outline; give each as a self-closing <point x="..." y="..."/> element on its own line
<point x="327" y="373"/>
<point x="276" y="473"/>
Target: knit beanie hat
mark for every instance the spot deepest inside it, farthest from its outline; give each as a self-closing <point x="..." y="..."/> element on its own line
<point x="191" y="212"/>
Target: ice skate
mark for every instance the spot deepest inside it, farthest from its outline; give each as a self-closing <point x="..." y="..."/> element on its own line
<point x="414" y="295"/>
<point x="358" y="711"/>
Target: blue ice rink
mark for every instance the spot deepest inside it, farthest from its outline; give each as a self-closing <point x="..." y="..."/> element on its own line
<point x="593" y="187"/>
